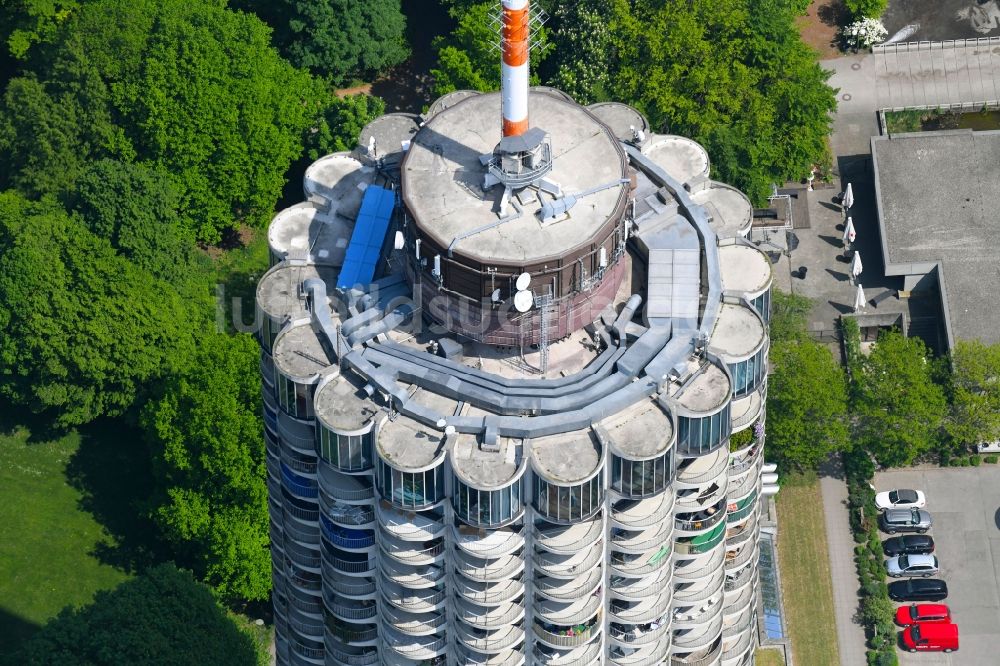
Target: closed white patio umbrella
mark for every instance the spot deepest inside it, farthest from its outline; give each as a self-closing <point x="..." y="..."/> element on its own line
<point x="848" y="199"/>
<point x="856" y="265"/>
<point x="849" y="233"/>
<point x="859" y="298"/>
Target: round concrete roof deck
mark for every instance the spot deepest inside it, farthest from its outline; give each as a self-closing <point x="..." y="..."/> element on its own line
<point x="620" y="118"/>
<point x="390" y="131"/>
<point x="305" y="233"/>
<point x="298" y="353"/>
<point x="681" y="157"/>
<point x="338" y="181"/>
<point x="409" y="445"/>
<point x="554" y="92"/>
<point x="566" y="458"/>
<point x="642" y="431"/>
<point x="739" y="333"/>
<point x="442" y="176"/>
<point x="342" y="405"/>
<point x="449" y="100"/>
<point x="744" y="269"/>
<point x="485" y="470"/>
<point x="278" y="290"/>
<point x="731" y="210"/>
<point x="708" y="392"/>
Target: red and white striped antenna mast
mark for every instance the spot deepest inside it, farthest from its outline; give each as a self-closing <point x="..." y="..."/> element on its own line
<point x="515" y="47"/>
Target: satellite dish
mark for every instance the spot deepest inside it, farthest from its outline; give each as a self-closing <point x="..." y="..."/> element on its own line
<point x="495" y="296"/>
<point x="523" y="280"/>
<point x="399" y="241"/>
<point x="523" y="300"/>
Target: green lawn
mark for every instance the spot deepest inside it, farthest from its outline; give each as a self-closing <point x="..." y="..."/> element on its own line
<point x="768" y="657"/>
<point x="804" y="565"/>
<point x="64" y="503"/>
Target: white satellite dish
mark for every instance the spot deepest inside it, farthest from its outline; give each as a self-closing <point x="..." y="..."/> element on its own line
<point x="398" y="242"/>
<point x="523" y="300"/>
<point x="523" y="280"/>
<point x="495" y="296"/>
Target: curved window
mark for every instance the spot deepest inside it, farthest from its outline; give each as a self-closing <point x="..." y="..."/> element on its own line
<point x="350" y="453"/>
<point x="641" y="478"/>
<point x="698" y="436"/>
<point x="295" y="399"/>
<point x="269" y="330"/>
<point x="487" y="507"/>
<point x="410" y="490"/>
<point x="748" y="374"/>
<point x="569" y="503"/>
<point x="762" y="304"/>
<point x="271" y="420"/>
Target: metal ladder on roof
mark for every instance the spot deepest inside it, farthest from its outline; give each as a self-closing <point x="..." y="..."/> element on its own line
<point x="544" y="305"/>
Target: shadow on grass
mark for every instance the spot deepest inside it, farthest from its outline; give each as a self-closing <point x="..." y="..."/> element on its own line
<point x="40" y="427"/>
<point x="111" y="469"/>
<point x="15" y="630"/>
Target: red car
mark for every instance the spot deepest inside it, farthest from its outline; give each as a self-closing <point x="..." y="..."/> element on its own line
<point x="930" y="637"/>
<point x="907" y="615"/>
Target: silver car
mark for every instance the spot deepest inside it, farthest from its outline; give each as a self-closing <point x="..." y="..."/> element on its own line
<point x="906" y="520"/>
<point x="912" y="565"/>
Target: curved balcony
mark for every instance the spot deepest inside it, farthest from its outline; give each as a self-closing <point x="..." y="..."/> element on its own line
<point x="310" y="603"/>
<point x="702" y="657"/>
<point x="413" y="552"/>
<point x="309" y="626"/>
<point x="567" y="637"/>
<point x="492" y="543"/>
<point x="633" y="514"/>
<point x="745" y="622"/>
<point x="490" y="619"/>
<point x="304" y="557"/>
<point x="569" y="566"/>
<point x="300" y="463"/>
<point x="566" y="539"/>
<point x="634" y="589"/>
<point x="489" y="642"/>
<point x="414" y="647"/>
<point x="737" y="559"/>
<point x="310" y="652"/>
<point x="741" y="509"/>
<point x="487" y="570"/>
<point x="694" y="592"/>
<point x="635" y="636"/>
<point x="357" y="489"/>
<point x="488" y="594"/>
<point x="740" y="578"/>
<point x="347" y="538"/>
<point x="740" y="464"/>
<point x="741" y="486"/>
<point x="648" y="610"/>
<point x="696" y="567"/>
<point x="300" y="435"/>
<point x="350" y="610"/>
<point x="413" y="624"/>
<point x="411" y="526"/>
<point x="348" y="655"/>
<point x="732" y="656"/>
<point x="647" y="655"/>
<point x="747" y="409"/>
<point x="346" y="515"/>
<point x="415" y="577"/>
<point x="584" y="655"/>
<point x="742" y="532"/>
<point x="699" y="638"/>
<point x="698" y="615"/>
<point x="563" y="589"/>
<point x="414" y="601"/>
<point x="702" y="543"/>
<point x="633" y="566"/>
<point x="469" y="657"/>
<point x="696" y="472"/>
<point x="352" y="588"/>
<point x="698" y="522"/>
<point x="357" y="635"/>
<point x="568" y="613"/>
<point x="643" y="541"/>
<point x="701" y="498"/>
<point x="362" y="566"/>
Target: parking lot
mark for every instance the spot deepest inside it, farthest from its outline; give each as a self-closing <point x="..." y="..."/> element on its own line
<point x="965" y="506"/>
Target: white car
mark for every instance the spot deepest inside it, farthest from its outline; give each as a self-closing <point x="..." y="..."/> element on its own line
<point x="912" y="565"/>
<point x="988" y="447"/>
<point x="901" y="498"/>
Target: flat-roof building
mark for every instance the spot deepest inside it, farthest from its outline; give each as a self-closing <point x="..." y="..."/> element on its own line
<point x="518" y="443"/>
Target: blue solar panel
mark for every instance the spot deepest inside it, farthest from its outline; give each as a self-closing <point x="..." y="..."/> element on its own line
<point x="370" y="228"/>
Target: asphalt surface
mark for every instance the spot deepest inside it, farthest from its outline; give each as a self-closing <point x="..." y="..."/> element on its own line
<point x="944" y="19"/>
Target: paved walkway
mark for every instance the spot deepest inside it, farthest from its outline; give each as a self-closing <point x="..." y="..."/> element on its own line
<point x="850" y="635"/>
<point x="937" y="74"/>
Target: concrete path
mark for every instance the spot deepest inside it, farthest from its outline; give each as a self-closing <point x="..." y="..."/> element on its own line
<point x="937" y="74"/>
<point x="850" y="635"/>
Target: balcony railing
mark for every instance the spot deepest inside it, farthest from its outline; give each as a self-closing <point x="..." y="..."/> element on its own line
<point x="353" y="659"/>
<point x="349" y="588"/>
<point x="635" y="637"/>
<point x="563" y="640"/>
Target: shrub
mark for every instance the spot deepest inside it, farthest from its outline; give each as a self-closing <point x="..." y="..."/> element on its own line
<point x="862" y="34"/>
<point x="975" y="461"/>
<point x="865" y="8"/>
<point x="991" y="460"/>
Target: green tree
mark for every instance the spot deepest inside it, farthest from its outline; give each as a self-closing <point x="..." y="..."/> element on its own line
<point x="161" y="618"/>
<point x="24" y="23"/>
<point x="582" y="49"/>
<point x="807" y="405"/>
<point x="192" y="90"/>
<point x="341" y="124"/>
<point x="207" y="439"/>
<point x="84" y="329"/>
<point x="859" y="9"/>
<point x="900" y="409"/>
<point x="789" y="316"/>
<point x="975" y="392"/>
<point x="338" y="39"/>
<point x="137" y="210"/>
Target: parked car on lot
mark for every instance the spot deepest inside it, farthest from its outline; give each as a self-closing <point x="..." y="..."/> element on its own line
<point x="914" y="613"/>
<point x="931" y="637"/>
<point x="988" y="447"/>
<point x="906" y="520"/>
<point x="924" y="566"/>
<point x="909" y="544"/>
<point x="901" y="498"/>
<point x="918" y="589"/>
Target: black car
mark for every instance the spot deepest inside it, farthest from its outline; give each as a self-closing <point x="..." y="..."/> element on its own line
<point x="911" y="544"/>
<point x="918" y="589"/>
